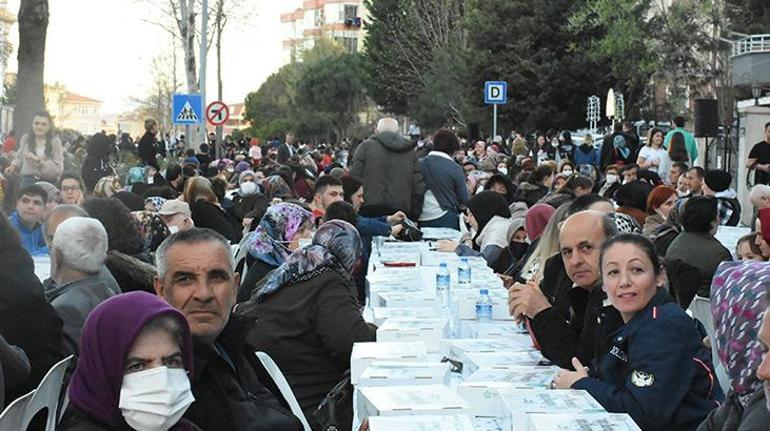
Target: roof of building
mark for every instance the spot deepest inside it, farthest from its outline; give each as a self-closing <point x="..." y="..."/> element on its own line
<point x="77" y="98"/>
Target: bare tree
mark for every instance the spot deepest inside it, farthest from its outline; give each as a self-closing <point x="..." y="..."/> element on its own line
<point x="33" y="28"/>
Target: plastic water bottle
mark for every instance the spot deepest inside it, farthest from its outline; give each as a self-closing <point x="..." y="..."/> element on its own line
<point x="442" y="284"/>
<point x="484" y="307"/>
<point x="464" y="271"/>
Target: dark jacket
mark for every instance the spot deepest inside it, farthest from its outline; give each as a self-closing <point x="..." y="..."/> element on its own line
<point x="77" y="420"/>
<point x="131" y="273"/>
<point x="27" y="320"/>
<point x="731" y="416"/>
<point x="309" y="329"/>
<point x="148" y="149"/>
<point x="531" y="193"/>
<point x="284" y="154"/>
<point x="445" y="178"/>
<point x="702" y="251"/>
<point x="657" y="369"/>
<point x="387" y="166"/>
<point x="74" y="301"/>
<point x="258" y="269"/>
<point x="208" y="215"/>
<point x="232" y="390"/>
<point x="577" y="322"/>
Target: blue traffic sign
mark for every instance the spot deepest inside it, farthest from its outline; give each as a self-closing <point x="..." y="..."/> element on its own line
<point x="495" y="93"/>
<point x="188" y="109"/>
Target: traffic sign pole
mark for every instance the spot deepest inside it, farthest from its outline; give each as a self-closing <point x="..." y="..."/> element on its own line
<point x="494" y="121"/>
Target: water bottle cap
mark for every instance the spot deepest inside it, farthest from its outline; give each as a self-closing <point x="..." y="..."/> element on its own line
<point x="484" y="292"/>
<point x="442" y="264"/>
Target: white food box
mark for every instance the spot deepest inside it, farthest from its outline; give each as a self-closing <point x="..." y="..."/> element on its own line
<point x="364" y="354"/>
<point x="429" y="331"/>
<point x="488" y="424"/>
<point x="474" y="361"/>
<point x="582" y="422"/>
<point x="466" y="299"/>
<point x="387" y="373"/>
<point x="407" y="300"/>
<point x="497" y="329"/>
<point x="378" y="292"/>
<point x="458" y="348"/>
<point x="481" y="388"/>
<point x="421" y="423"/>
<point x="411" y="400"/>
<point x="381" y="314"/>
<point x="519" y="404"/>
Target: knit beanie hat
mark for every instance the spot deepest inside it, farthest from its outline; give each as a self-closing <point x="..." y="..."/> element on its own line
<point x="718" y="181"/>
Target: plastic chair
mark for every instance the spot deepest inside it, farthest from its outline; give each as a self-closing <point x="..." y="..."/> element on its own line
<point x="47" y="396"/>
<point x="11" y="418"/>
<point x="701" y="310"/>
<point x="283" y="386"/>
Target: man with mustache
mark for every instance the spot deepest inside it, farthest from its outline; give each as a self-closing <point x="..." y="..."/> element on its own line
<point x="232" y="390"/>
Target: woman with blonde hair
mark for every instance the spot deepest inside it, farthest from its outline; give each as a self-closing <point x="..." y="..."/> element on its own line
<point x="207" y="211"/>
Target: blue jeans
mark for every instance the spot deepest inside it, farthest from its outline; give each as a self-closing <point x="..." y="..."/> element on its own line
<point x="449" y="220"/>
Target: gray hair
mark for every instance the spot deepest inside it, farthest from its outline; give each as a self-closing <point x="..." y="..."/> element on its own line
<point x="758" y="192"/>
<point x="387" y="124"/>
<point x="82" y="243"/>
<point x="65" y="209"/>
<point x="191" y="236"/>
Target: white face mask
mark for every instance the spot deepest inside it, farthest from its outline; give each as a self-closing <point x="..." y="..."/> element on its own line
<point x="155" y="399"/>
<point x="173" y="229"/>
<point x="612" y="178"/>
<point x="567" y="172"/>
<point x="682" y="193"/>
<point x="249" y="188"/>
<point x="150" y="180"/>
<point x="503" y="171"/>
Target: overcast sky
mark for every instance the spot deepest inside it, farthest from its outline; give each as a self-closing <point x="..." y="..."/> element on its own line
<point x="103" y="49"/>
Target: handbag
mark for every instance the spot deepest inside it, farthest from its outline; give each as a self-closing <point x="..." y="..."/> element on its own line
<point x="335" y="412"/>
<point x="410" y="233"/>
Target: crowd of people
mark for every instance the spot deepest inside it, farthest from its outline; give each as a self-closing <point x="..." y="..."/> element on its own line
<point x="602" y="249"/>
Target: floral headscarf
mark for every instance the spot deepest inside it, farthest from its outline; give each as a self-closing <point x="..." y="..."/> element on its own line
<point x="276" y="187"/>
<point x="156" y="201"/>
<point x="737" y="304"/>
<point x="106" y="186"/>
<point x="336" y="245"/>
<point x="277" y="228"/>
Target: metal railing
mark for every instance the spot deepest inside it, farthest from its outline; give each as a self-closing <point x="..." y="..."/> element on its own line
<point x="751" y="44"/>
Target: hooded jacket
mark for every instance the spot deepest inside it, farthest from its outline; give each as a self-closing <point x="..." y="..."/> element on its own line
<point x="386" y="164"/>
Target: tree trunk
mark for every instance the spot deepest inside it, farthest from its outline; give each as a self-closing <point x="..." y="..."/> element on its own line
<point x="33" y="27"/>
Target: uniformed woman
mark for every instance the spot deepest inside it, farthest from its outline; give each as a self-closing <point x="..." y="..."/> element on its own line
<point x="655" y="367"/>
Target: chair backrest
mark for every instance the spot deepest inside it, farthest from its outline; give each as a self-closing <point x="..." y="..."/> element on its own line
<point x="47" y="396"/>
<point x="684" y="281"/>
<point x="283" y="386"/>
<point x="11" y="418"/>
<point x="701" y="310"/>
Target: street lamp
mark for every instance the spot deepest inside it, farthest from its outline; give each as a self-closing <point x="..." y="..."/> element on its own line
<point x="756" y="93"/>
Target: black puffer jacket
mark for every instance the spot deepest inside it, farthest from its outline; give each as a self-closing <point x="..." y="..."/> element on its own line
<point x="387" y="165"/>
<point x="531" y="193"/>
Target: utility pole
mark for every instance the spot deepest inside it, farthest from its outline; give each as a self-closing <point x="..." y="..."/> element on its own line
<point x="202" y="75"/>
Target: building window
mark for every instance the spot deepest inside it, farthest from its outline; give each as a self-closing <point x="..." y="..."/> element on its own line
<point x="350" y="44"/>
<point x="350" y="11"/>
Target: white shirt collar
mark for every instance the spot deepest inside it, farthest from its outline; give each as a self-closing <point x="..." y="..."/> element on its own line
<point x="440" y="154"/>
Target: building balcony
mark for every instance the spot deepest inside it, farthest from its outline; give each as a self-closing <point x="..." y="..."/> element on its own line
<point x="751" y="61"/>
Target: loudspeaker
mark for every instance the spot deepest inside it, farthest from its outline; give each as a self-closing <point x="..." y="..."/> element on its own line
<point x="706" y="118"/>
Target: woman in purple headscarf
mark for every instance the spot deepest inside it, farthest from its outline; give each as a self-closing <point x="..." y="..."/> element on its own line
<point x="134" y="368"/>
<point x="738" y="301"/>
<point x="308" y="316"/>
<point x="277" y="236"/>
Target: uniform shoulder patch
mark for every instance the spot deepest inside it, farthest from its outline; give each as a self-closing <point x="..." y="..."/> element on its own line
<point x="642" y="379"/>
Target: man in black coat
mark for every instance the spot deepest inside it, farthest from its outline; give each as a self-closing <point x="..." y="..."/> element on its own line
<point x="232" y="390"/>
<point x="566" y="314"/>
<point x="148" y="146"/>
<point x="27" y="320"/>
<point x="388" y="167"/>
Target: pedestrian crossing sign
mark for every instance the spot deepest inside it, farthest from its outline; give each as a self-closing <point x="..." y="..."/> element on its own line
<point x="188" y="109"/>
